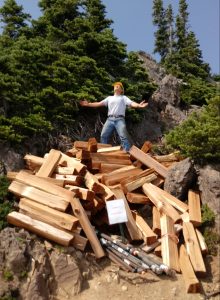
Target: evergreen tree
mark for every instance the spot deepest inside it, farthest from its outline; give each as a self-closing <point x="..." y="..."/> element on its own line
<point x="161" y="35"/>
<point x="69" y="53"/>
<point x="170" y="20"/>
<point x="182" y="25"/>
<point x="13" y="19"/>
<point x="186" y="59"/>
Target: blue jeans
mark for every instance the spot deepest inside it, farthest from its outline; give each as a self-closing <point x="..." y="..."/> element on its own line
<point x="120" y="126"/>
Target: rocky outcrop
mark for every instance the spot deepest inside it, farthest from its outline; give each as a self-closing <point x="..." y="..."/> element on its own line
<point x="209" y="186"/>
<point x="184" y="175"/>
<point x="28" y="270"/>
<point x="155" y="71"/>
<point x="180" y="178"/>
<point x="10" y="159"/>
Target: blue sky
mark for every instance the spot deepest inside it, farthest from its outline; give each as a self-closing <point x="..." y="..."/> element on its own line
<point x="132" y="24"/>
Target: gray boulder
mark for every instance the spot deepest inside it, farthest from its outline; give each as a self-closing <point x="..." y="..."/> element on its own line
<point x="180" y="178"/>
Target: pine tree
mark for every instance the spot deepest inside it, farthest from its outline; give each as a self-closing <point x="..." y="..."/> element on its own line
<point x="170" y="20"/>
<point x="13" y="19"/>
<point x="182" y="25"/>
<point x="68" y="54"/>
<point x="161" y="35"/>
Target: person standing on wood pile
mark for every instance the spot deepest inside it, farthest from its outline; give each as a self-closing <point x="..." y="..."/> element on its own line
<point x="116" y="114"/>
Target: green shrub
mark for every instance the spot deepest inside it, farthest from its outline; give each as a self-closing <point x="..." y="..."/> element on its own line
<point x="6" y="201"/>
<point x="198" y="137"/>
<point x="208" y="216"/>
<point x="8" y="275"/>
<point x="212" y="238"/>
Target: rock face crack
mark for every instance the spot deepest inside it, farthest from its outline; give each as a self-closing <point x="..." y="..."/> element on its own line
<point x="67" y="275"/>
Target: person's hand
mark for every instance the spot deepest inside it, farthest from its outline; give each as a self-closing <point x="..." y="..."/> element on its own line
<point x="83" y="102"/>
<point x="143" y="104"/>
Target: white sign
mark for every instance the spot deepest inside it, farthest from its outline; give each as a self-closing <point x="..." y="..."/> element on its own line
<point x="116" y="211"/>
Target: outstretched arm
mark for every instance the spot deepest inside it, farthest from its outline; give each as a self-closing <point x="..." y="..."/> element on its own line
<point x="91" y="104"/>
<point x="143" y="104"/>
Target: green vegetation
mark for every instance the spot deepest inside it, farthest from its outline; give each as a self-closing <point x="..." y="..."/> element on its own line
<point x="199" y="136"/>
<point x="48" y="65"/>
<point x="6" y="201"/>
<point x="70" y="53"/>
<point x="208" y="216"/>
<point x="180" y="53"/>
<point x="23" y="274"/>
<point x="6" y="297"/>
<point x="212" y="239"/>
<point x="8" y="275"/>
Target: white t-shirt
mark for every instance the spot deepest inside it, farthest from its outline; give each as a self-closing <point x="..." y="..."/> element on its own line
<point x="117" y="104"/>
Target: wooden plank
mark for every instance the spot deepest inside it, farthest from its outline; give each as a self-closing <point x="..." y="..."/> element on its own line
<point x="130" y="224"/>
<point x="33" y="161"/>
<point x="158" y="251"/>
<point x="191" y="282"/>
<point x="159" y="181"/>
<point x="195" y="215"/>
<point x="76" y="180"/>
<point x="193" y="248"/>
<point x="137" y="176"/>
<point x="121" y="168"/>
<point x="150" y="248"/>
<point x="83" y="154"/>
<point x="12" y="176"/>
<point x="82" y="193"/>
<point x="148" y="161"/>
<point x="43" y="185"/>
<point x="171" y="157"/>
<point x="137" y="198"/>
<point x="107" y="168"/>
<point x="65" y="170"/>
<point x="202" y="243"/>
<point x="148" y="235"/>
<point x="92" y="183"/>
<point x="166" y="197"/>
<point x="49" y="164"/>
<point x="84" y="145"/>
<point x="67" y="161"/>
<point x="32" y="193"/>
<point x="55" y="181"/>
<point x="80" y="213"/>
<point x="109" y="149"/>
<point x="92" y="145"/>
<point x="145" y="148"/>
<point x="108" y="195"/>
<point x="169" y="243"/>
<point x="162" y="206"/>
<point x="120" y="153"/>
<point x="48" y="215"/>
<point x="131" y="186"/>
<point x="156" y="221"/>
<point x="101" y="158"/>
<point x="40" y="228"/>
<point x="71" y="152"/>
<point x="117" y="176"/>
<point x="185" y="217"/>
<point x="79" y="242"/>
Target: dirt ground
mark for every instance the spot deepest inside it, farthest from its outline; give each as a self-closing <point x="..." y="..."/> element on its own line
<point x="107" y="282"/>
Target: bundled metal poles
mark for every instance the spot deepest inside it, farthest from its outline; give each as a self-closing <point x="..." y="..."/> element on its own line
<point x="131" y="258"/>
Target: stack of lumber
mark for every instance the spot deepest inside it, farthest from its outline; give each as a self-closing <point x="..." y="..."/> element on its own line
<point x="62" y="197"/>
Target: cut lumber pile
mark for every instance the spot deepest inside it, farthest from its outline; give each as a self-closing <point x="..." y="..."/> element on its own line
<point x="62" y="197"/>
